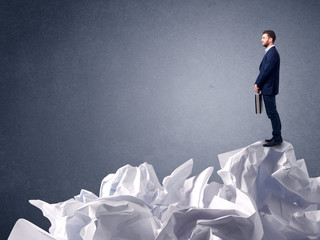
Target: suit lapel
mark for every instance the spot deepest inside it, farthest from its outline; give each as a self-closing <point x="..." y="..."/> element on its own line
<point x="262" y="61"/>
<point x="271" y="49"/>
<point x="264" y="57"/>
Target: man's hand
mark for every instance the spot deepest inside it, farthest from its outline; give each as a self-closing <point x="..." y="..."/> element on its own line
<point x="256" y="89"/>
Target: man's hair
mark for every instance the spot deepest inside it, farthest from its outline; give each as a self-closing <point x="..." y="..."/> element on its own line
<point x="271" y="34"/>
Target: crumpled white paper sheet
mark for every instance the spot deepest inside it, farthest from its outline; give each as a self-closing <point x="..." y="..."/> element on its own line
<point x="266" y="194"/>
<point x="287" y="199"/>
<point x="24" y="229"/>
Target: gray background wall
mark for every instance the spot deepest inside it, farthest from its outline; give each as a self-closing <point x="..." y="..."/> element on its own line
<point x="89" y="86"/>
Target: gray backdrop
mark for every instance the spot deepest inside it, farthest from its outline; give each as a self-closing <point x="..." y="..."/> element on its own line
<point x="89" y="86"/>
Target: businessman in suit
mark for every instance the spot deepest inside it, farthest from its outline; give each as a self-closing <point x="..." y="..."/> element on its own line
<point x="268" y="84"/>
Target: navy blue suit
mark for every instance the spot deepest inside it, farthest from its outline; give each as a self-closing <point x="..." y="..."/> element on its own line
<point x="268" y="83"/>
<point x="268" y="79"/>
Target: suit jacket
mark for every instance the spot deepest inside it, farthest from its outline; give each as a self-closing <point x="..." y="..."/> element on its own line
<point x="268" y="79"/>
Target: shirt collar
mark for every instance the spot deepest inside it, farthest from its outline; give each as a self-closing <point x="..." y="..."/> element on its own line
<point x="267" y="49"/>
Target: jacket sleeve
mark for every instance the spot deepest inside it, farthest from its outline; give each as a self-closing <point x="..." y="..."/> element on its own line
<point x="266" y="69"/>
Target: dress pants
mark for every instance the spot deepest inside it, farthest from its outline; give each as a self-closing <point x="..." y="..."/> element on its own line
<point x="271" y="109"/>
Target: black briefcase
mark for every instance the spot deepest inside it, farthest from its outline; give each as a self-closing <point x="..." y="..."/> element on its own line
<point x="258" y="103"/>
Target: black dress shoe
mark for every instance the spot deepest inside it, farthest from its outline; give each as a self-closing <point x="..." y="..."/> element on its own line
<point x="272" y="143"/>
<point x="270" y="140"/>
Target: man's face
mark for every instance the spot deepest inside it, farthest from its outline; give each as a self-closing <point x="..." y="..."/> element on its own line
<point x="266" y="40"/>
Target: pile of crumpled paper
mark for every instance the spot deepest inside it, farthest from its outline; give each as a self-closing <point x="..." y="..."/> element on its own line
<point x="267" y="194"/>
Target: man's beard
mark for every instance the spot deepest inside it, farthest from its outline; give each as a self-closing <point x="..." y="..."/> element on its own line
<point x="266" y="44"/>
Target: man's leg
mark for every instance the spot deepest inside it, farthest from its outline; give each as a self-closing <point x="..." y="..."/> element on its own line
<point x="271" y="109"/>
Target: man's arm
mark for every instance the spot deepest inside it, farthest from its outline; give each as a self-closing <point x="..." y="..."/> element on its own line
<point x="267" y="68"/>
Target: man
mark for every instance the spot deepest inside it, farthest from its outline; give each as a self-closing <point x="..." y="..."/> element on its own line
<point x="268" y="84"/>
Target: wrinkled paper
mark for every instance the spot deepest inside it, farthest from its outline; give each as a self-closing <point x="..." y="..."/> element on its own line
<point x="266" y="194"/>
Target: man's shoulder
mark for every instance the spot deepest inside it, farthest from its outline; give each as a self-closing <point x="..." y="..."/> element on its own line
<point x="273" y="52"/>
